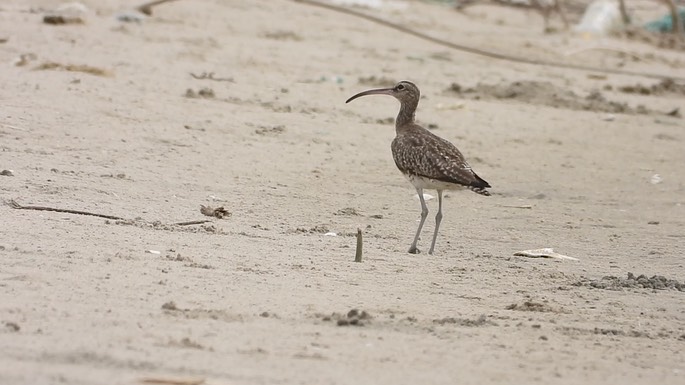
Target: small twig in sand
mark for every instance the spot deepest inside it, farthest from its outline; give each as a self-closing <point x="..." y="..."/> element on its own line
<point x="358" y="254"/>
<point x="189" y="223"/>
<point x="624" y="12"/>
<point x="72" y="68"/>
<point x="147" y="7"/>
<point x="13" y="204"/>
<point x="675" y="18"/>
<point x="210" y="76"/>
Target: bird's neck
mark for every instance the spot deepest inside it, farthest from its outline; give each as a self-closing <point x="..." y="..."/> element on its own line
<point x="406" y="114"/>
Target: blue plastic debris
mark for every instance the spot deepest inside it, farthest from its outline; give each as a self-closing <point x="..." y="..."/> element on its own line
<point x="665" y="24"/>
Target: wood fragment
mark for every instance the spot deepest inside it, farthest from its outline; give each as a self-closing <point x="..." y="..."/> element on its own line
<point x="358" y="254"/>
<point x="61" y="19"/>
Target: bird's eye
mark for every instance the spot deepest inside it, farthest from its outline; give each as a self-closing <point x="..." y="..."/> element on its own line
<point x="400" y="87"/>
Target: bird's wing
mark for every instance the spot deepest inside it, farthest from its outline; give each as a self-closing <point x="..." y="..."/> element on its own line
<point x="430" y="156"/>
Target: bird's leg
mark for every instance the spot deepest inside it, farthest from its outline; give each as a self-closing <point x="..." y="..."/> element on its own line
<point x="424" y="214"/>
<point x="438" y="219"/>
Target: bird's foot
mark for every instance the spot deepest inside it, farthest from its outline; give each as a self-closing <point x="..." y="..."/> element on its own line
<point x="414" y="250"/>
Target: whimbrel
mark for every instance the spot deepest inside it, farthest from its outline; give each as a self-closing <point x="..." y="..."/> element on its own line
<point x="425" y="159"/>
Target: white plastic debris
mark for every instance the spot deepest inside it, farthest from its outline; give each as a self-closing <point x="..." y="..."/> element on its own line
<point x="656" y="179"/>
<point x="331" y="234"/>
<point x="546" y="252"/>
<point x="600" y="18"/>
<point x="131" y="16"/>
<point x="426" y="197"/>
<point x="154" y="252"/>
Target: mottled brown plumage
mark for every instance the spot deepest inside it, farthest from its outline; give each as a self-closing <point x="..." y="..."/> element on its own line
<point x="427" y="160"/>
<point x="419" y="152"/>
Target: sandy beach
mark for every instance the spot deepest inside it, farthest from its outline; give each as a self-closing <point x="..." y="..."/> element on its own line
<point x="241" y="105"/>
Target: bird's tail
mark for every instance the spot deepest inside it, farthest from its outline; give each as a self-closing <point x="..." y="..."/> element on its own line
<point x="480" y="190"/>
<point x="479" y="186"/>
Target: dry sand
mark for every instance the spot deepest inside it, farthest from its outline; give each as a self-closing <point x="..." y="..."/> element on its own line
<point x="256" y="298"/>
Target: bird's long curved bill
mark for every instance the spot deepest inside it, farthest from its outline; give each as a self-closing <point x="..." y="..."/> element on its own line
<point x="379" y="91"/>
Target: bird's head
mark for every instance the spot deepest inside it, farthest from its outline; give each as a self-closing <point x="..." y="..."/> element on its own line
<point x="404" y="91"/>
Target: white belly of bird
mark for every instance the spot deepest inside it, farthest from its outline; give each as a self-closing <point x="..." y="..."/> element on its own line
<point x="432" y="184"/>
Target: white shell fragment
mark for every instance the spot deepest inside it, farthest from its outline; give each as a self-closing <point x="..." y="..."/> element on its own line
<point x="656" y="179"/>
<point x="546" y="252"/>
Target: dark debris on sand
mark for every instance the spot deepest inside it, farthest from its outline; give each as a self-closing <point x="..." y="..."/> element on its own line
<point x="353" y="317"/>
<point x="656" y="282"/>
